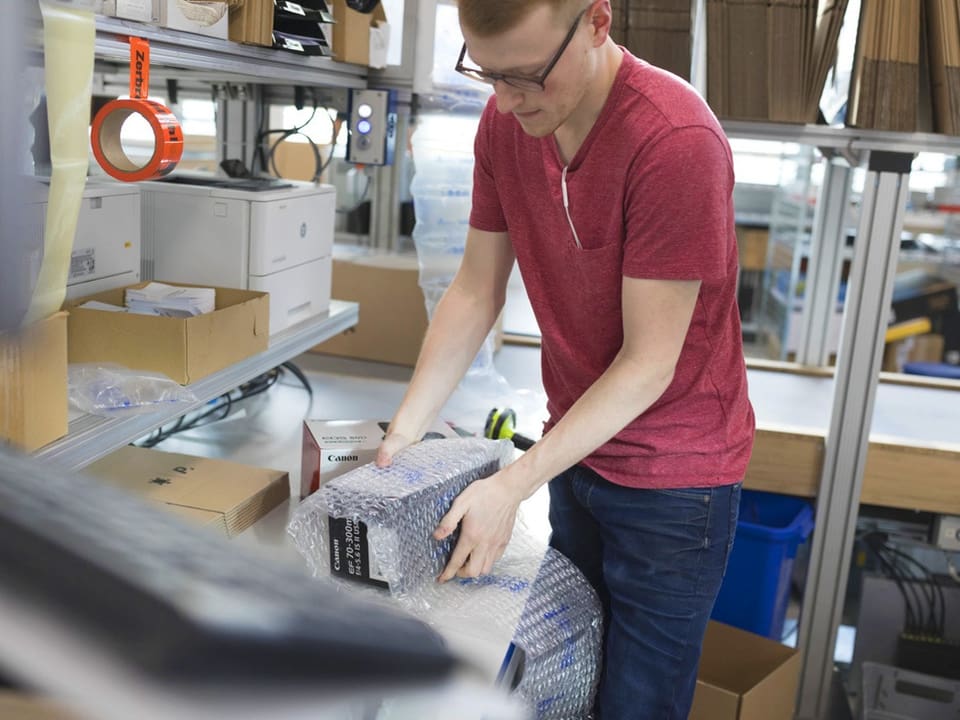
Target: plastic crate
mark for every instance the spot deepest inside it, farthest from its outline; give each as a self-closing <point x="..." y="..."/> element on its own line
<point x="756" y="587"/>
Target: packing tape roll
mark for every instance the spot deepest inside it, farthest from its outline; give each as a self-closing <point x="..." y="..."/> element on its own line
<point x="107" y="148"/>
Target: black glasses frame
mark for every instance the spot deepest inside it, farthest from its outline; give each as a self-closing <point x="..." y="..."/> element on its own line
<point x="518" y="81"/>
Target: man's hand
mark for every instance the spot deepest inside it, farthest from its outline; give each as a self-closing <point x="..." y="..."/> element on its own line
<point x="392" y="444"/>
<point x="486" y="511"/>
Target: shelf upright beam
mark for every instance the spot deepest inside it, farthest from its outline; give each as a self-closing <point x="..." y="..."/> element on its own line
<point x="870" y="287"/>
<point x="237" y="114"/>
<point x="824" y="265"/>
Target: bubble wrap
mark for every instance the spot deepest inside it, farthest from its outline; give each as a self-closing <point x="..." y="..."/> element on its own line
<point x="534" y="597"/>
<point x="401" y="506"/>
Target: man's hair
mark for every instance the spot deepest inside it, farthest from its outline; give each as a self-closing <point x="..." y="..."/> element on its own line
<point x="490" y="17"/>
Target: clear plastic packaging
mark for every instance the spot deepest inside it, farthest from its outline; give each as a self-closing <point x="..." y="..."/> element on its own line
<point x="534" y="597"/>
<point x="111" y="390"/>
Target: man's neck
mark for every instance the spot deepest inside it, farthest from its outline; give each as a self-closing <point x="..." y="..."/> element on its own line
<point x="574" y="131"/>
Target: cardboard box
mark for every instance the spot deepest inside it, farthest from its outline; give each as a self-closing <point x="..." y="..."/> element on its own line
<point x="752" y="246"/>
<point x="196" y="16"/>
<point x="360" y="38"/>
<point x="224" y="495"/>
<point x="147" y="11"/>
<point x="393" y="318"/>
<point x="917" y="348"/>
<point x="17" y="705"/>
<point x="33" y="383"/>
<point x="184" y="349"/>
<point x="745" y="677"/>
<point x="252" y="22"/>
<point x="332" y="447"/>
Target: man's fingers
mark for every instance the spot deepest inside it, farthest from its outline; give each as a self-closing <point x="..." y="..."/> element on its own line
<point x="391" y="445"/>
<point x="457" y="558"/>
<point x="448" y="523"/>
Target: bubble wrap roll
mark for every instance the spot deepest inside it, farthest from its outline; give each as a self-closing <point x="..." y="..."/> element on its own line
<point x="399" y="506"/>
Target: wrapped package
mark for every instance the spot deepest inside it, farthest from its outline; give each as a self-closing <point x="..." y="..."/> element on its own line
<point x="377" y="524"/>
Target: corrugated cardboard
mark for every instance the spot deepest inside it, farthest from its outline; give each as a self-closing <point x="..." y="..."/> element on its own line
<point x="360" y="38"/>
<point x="332" y="447"/>
<point x="745" y="677"/>
<point x="393" y="318"/>
<point x="217" y="493"/>
<point x="33" y="383"/>
<point x="22" y="706"/>
<point x="184" y="349"/>
<point x="252" y="22"/>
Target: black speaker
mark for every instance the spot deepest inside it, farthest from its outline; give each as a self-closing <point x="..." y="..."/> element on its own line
<point x="364" y="6"/>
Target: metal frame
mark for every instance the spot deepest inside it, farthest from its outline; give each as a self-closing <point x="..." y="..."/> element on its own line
<point x="825" y="261"/>
<point x="870" y="287"/>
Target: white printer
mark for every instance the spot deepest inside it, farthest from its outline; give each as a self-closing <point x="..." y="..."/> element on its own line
<point x="106" y="246"/>
<point x="255" y="234"/>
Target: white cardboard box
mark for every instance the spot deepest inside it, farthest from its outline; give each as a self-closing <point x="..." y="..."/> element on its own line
<point x="332" y="447"/>
<point x="143" y="10"/>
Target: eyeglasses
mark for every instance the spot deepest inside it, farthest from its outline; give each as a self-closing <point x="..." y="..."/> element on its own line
<point x="531" y="84"/>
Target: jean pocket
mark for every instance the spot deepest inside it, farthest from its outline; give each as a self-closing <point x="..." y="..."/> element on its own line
<point x="695" y="494"/>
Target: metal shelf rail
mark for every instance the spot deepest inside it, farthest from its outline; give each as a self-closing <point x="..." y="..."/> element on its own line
<point x="91" y="437"/>
<point x="221" y="60"/>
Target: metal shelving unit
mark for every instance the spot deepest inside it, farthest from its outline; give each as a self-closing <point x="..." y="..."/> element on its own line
<point x="91" y="437"/>
<point x="850" y="141"/>
<point x="213" y="59"/>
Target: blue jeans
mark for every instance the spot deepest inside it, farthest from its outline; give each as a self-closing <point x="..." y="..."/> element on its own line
<point x="656" y="559"/>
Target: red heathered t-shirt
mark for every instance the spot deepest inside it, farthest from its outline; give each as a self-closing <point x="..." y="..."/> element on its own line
<point x="651" y="196"/>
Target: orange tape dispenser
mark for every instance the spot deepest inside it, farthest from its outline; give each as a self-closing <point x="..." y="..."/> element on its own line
<point x="167" y="133"/>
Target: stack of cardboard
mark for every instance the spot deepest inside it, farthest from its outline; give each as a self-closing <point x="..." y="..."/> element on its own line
<point x="943" y="37"/>
<point x="885" y="84"/>
<point x="768" y="59"/>
<point x="656" y="30"/>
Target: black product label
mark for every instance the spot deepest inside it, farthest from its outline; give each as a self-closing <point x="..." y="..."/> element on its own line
<point x="350" y="553"/>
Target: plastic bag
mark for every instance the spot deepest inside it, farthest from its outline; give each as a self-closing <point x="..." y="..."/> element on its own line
<point x="110" y="390"/>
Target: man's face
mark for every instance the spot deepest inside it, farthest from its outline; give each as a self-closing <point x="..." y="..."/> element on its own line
<point x="526" y="50"/>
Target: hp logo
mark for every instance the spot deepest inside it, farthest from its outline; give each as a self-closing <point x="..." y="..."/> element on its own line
<point x="303" y="230"/>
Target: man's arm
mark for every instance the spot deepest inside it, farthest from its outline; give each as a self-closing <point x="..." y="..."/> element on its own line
<point x="460" y="323"/>
<point x="656" y="317"/>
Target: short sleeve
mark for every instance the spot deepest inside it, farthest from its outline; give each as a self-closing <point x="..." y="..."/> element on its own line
<point x="486" y="212"/>
<point x="678" y="208"/>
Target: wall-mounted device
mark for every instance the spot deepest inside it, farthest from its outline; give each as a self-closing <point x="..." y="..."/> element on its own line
<point x="372" y="134"/>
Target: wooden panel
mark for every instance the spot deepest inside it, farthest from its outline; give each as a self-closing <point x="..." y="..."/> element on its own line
<point x="913" y="476"/>
<point x="785" y="460"/>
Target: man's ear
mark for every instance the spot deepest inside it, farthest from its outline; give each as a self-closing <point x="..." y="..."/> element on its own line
<point x="600" y="19"/>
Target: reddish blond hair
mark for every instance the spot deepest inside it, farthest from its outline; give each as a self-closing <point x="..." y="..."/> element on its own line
<point x="490" y="17"/>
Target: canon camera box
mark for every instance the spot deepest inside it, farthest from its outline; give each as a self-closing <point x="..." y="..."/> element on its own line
<point x="332" y="447"/>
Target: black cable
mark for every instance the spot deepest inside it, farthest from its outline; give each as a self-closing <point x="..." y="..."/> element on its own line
<point x="938" y="625"/>
<point x="871" y="540"/>
<point x="298" y="374"/>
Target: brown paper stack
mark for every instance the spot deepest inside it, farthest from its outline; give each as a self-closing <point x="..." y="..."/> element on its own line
<point x="884" y="87"/>
<point x="768" y="59"/>
<point x="943" y="39"/>
<point x="656" y="30"/>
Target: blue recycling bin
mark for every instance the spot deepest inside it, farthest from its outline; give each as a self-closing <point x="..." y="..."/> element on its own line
<point x="756" y="587"/>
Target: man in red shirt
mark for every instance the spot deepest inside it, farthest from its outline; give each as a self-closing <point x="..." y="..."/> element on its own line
<point x="610" y="183"/>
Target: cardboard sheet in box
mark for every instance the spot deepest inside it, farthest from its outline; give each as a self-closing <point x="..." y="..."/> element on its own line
<point x="332" y="447"/>
<point x="745" y="677"/>
<point x="184" y="349"/>
<point x="393" y="318"/>
<point x="33" y="383"/>
<point x="217" y="493"/>
<point x="360" y="38"/>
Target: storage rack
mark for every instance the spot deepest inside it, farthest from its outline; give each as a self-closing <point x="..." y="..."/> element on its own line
<point x="857" y="363"/>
